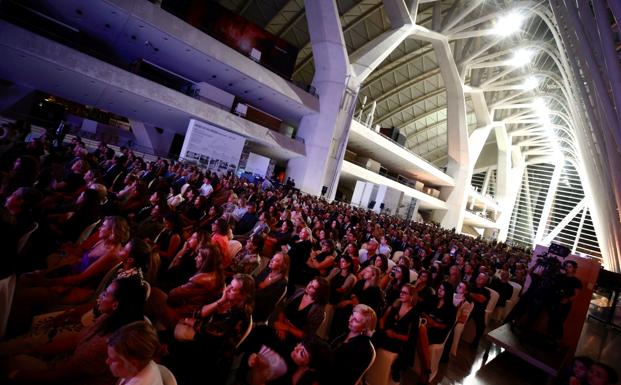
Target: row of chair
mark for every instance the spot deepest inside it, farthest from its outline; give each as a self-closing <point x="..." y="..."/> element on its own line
<point x="379" y="372"/>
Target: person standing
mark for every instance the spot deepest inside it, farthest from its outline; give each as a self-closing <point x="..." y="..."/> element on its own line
<point x="566" y="290"/>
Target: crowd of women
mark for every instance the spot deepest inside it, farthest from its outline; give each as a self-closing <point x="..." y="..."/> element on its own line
<point x="122" y="263"/>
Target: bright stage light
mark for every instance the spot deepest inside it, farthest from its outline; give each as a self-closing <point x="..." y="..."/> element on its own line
<point x="530" y="83"/>
<point x="509" y="23"/>
<point x="521" y="57"/>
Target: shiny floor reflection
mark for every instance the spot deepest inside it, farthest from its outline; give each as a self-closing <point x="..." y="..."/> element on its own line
<point x="600" y="342"/>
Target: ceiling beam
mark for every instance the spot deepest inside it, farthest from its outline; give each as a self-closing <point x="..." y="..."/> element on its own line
<point x="410" y="104"/>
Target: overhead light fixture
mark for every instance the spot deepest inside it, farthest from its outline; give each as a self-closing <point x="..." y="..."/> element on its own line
<point x="542" y="111"/>
<point x="539" y="105"/>
<point x="530" y="83"/>
<point x="521" y="57"/>
<point x="509" y="23"/>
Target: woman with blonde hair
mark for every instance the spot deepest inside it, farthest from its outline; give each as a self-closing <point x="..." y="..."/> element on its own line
<point x="366" y="291"/>
<point x="299" y="250"/>
<point x="399" y="330"/>
<point x="206" y="342"/>
<point x="271" y="283"/>
<point x="73" y="282"/>
<point x="353" y="350"/>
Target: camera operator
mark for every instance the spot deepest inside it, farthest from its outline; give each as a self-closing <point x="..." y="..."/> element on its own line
<point x="566" y="288"/>
<point x="532" y="301"/>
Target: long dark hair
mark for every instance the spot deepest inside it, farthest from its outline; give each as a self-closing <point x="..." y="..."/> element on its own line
<point x="131" y="294"/>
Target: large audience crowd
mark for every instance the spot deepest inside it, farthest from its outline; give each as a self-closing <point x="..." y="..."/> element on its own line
<point x="120" y="263"/>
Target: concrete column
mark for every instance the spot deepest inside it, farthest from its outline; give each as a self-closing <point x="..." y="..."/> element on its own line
<point x="151" y="140"/>
<point x="143" y="139"/>
<point x="412" y="212"/>
<point x="579" y="232"/>
<point x="547" y="206"/>
<point x="507" y="204"/>
<point x="459" y="164"/>
<point x="488" y="175"/>
<point x="392" y="200"/>
<point x="379" y="198"/>
<point x="325" y="133"/>
<point x="356" y="196"/>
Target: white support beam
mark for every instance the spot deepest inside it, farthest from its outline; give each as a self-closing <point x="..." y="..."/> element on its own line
<point x="579" y="232"/>
<point x="458" y="166"/>
<point x="365" y="60"/>
<point x="564" y="222"/>
<point x="547" y="206"/>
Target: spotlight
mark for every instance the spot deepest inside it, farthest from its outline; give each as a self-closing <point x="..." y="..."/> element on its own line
<point x="509" y="23"/>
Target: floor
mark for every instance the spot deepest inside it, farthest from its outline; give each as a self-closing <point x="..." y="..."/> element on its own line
<point x="598" y="341"/>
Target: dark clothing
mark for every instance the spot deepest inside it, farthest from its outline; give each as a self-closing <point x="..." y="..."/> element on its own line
<point x="210" y="352"/>
<point x="407" y="325"/>
<point x="298" y="254"/>
<point x="566" y="288"/>
<point x="265" y="299"/>
<point x="478" y="312"/>
<point x="371" y="296"/>
<point x="444" y="315"/>
<point x="8" y="262"/>
<point x="504" y="289"/>
<point x="351" y="358"/>
<point x="246" y="223"/>
<point x="307" y="319"/>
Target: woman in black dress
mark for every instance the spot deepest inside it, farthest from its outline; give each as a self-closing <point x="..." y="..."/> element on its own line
<point x="398" y="330"/>
<point x="353" y="350"/>
<point x="440" y="314"/>
<point x="341" y="279"/>
<point x="365" y="291"/>
<point x="270" y="286"/>
<point x="299" y="251"/>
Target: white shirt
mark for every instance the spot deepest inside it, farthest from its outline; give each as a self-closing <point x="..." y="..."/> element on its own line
<point x="206" y="189"/>
<point x="149" y="375"/>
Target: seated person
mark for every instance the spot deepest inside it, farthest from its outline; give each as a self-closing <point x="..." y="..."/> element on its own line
<point x="398" y="330"/>
<point x="271" y="284"/>
<point x="131" y="351"/>
<point x="120" y="304"/>
<point x="353" y="349"/>
<point x="203" y="287"/>
<point x="205" y="343"/>
<point x="247" y="260"/>
<point x="503" y="287"/>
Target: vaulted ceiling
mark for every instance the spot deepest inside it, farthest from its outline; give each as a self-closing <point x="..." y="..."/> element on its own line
<point x="408" y="88"/>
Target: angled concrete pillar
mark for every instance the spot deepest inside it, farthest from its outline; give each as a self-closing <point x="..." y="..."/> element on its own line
<point x="143" y="139"/>
<point x="547" y="206"/>
<point x="322" y="130"/>
<point x="337" y="83"/>
<point x="459" y="164"/>
<point x="508" y="203"/>
<point x="488" y="176"/>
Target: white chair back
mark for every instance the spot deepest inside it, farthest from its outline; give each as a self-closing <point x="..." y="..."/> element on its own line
<point x="246" y="333"/>
<point x="167" y="377"/>
<point x="23" y="241"/>
<point x="379" y="371"/>
<point x="511" y="302"/>
<point x="7" y="290"/>
<point x="373" y="357"/>
<point x="87" y="232"/>
<point x="324" y="328"/>
<point x="491" y="304"/>
<point x="458" y="330"/>
<point x="396" y="255"/>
